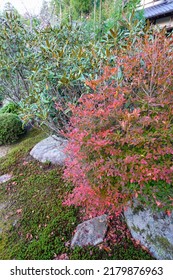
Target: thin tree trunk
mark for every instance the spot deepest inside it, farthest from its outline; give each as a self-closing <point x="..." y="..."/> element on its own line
<point x="100" y="15"/>
<point x="94" y="17"/>
<point x="70" y="14"/>
<point x="60" y="13"/>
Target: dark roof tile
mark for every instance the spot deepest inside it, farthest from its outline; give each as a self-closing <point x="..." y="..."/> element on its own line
<point x="158" y="10"/>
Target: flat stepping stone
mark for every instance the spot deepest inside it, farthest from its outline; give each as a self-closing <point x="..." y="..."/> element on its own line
<point x="91" y="232"/>
<point x="4" y="178"/>
<point x="50" y="149"/>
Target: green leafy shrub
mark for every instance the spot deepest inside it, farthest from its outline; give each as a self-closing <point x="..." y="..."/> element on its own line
<point x="10" y="128"/>
<point x="65" y="58"/>
<point x="52" y="64"/>
<point x="11" y="107"/>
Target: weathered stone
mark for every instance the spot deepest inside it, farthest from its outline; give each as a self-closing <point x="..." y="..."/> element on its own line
<point x="50" y="149"/>
<point x="4" y="178"/>
<point x="153" y="229"/>
<point x="91" y="232"/>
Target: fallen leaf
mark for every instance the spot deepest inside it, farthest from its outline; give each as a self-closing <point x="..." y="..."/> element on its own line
<point x="29" y="236"/>
<point x="168" y="212"/>
<point x="19" y="211"/>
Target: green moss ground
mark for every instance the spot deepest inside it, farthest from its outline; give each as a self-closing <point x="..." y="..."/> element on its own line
<point x="34" y="222"/>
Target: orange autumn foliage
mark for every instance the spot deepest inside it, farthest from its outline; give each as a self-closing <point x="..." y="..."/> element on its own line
<point x="121" y="134"/>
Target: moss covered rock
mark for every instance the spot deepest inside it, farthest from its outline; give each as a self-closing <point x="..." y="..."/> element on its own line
<point x="154" y="230"/>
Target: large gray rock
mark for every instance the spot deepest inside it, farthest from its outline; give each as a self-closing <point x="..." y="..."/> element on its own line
<point x="91" y="232"/>
<point x="50" y="149"/>
<point x="153" y="230"/>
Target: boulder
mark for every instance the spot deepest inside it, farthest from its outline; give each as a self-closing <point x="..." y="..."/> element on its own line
<point x="154" y="230"/>
<point x="50" y="149"/>
<point x="91" y="232"/>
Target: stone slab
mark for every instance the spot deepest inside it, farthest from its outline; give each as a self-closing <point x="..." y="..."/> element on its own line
<point x="91" y="232"/>
<point x="4" y="178"/>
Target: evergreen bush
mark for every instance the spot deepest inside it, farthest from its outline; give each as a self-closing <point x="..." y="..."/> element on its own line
<point x="11" y="128"/>
<point x="11" y="107"/>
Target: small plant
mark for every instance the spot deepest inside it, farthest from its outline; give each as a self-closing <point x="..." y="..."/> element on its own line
<point x="11" y="128"/>
<point x="11" y="107"/>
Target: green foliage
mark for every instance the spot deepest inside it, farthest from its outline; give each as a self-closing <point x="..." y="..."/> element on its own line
<point x="44" y="234"/>
<point x="1" y="99"/>
<point x="45" y="67"/>
<point x="16" y="54"/>
<point x="73" y="9"/>
<point x="98" y="16"/>
<point x="82" y="6"/>
<point x="45" y="70"/>
<point x="11" y="107"/>
<point x="122" y="251"/>
<point x="21" y="149"/>
<point x="11" y="128"/>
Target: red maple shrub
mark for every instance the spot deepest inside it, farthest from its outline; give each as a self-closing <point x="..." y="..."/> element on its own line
<point x="121" y="134"/>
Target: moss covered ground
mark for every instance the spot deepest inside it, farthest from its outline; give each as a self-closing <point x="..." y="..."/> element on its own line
<point x="34" y="223"/>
